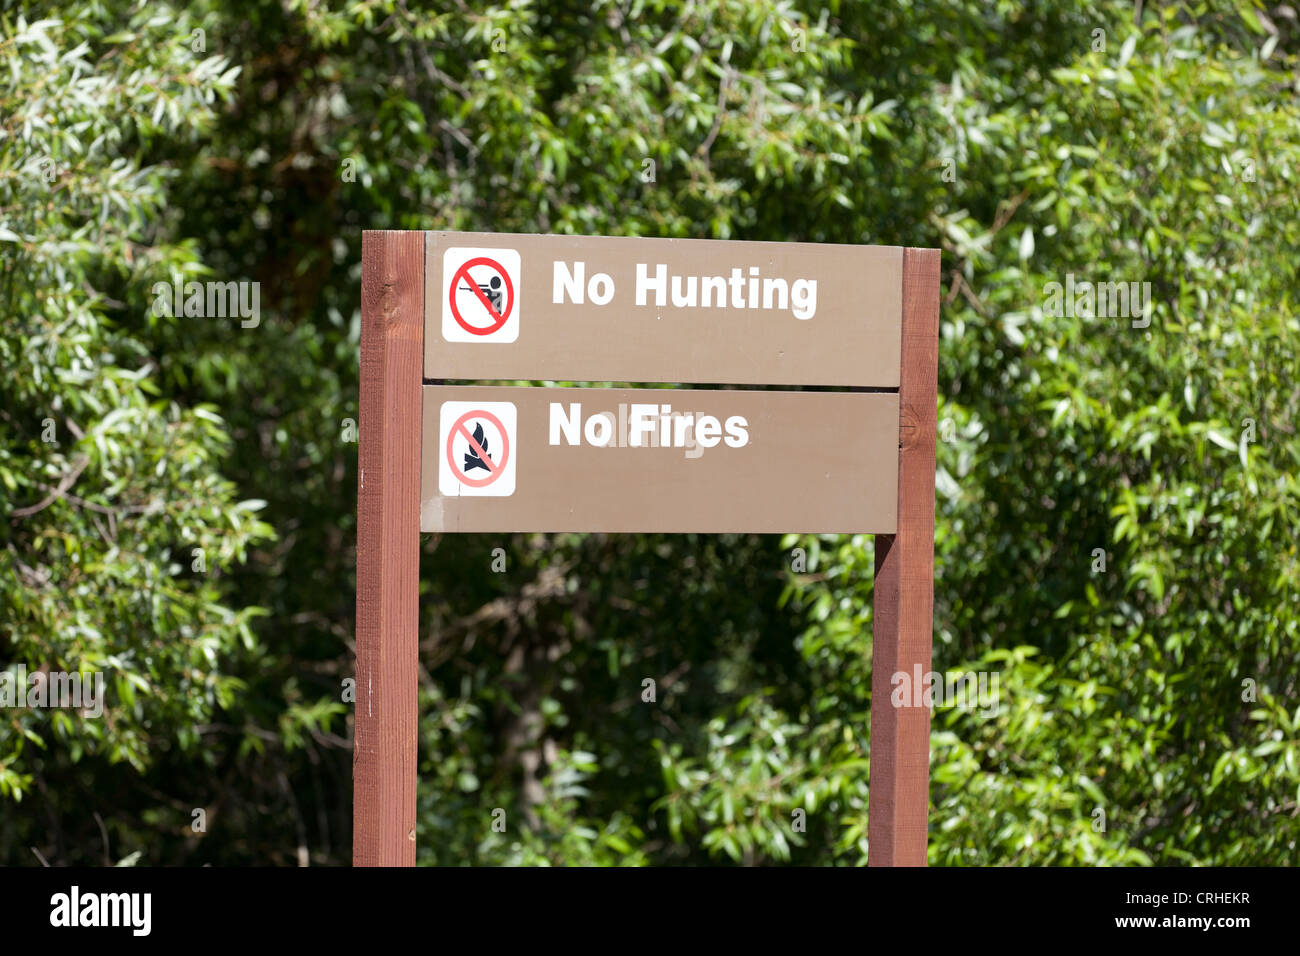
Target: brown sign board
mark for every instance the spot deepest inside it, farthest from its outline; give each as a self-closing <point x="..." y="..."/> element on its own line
<point x="658" y="460"/>
<point x="499" y="459"/>
<point x="610" y="309"/>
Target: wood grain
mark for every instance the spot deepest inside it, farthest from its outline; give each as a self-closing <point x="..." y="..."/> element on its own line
<point x="388" y="548"/>
<point x="903" y="618"/>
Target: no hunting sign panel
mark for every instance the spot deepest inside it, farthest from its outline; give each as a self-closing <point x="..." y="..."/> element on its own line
<point x="480" y="298"/>
<point x="598" y="309"/>
<point x="850" y="448"/>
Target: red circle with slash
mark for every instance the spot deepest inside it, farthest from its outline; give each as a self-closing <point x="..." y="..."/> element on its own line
<point x="498" y="320"/>
<point x="496" y="468"/>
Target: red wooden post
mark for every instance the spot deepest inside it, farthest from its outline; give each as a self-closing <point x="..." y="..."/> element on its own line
<point x="899" y="811"/>
<point x="388" y="548"/>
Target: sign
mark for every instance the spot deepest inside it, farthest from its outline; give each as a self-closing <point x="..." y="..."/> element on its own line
<point x="859" y="324"/>
<point x="614" y="459"/>
<point x="597" y="309"/>
<point x="476" y="438"/>
<point x="479" y="300"/>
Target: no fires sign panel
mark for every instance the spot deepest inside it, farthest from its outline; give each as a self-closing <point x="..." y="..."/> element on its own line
<point x="479" y="446"/>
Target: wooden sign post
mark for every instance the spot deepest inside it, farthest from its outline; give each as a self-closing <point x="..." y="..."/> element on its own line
<point x="861" y="321"/>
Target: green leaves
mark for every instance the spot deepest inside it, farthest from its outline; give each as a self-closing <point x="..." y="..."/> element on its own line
<point x="1101" y="435"/>
<point x="104" y="484"/>
<point x="1169" y="157"/>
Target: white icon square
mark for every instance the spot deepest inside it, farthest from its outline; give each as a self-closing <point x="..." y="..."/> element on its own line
<point x="477" y="449"/>
<point x="480" y="295"/>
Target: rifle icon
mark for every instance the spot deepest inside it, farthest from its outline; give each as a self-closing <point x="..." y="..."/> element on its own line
<point x="492" y="291"/>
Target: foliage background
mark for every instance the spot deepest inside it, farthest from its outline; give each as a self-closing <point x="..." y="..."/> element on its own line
<point x="1163" y="148"/>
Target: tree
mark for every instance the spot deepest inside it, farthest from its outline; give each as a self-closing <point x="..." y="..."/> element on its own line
<point x="1032" y="148"/>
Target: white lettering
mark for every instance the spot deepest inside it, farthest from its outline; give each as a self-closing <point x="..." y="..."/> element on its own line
<point x="600" y="288"/>
<point x="708" y="430"/>
<point x="737" y="431"/>
<point x="568" y="283"/>
<point x="644" y="284"/>
<point x="803" y="296"/>
<point x="643" y="421"/>
<point x="599" y="429"/>
<point x="568" y="426"/>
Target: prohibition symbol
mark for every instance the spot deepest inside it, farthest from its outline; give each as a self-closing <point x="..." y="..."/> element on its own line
<point x="479" y="452"/>
<point x="492" y="290"/>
